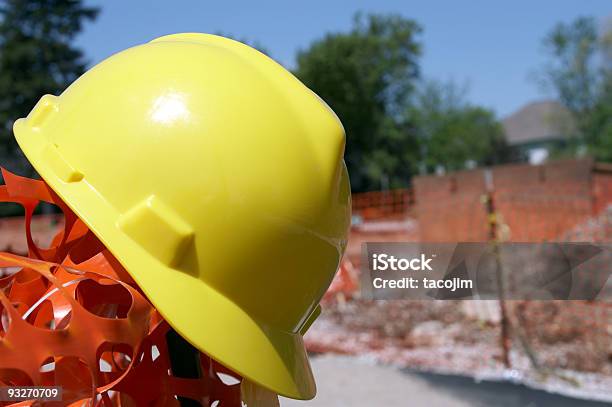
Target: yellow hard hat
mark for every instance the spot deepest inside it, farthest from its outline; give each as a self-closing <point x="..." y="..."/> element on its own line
<point x="217" y="180"/>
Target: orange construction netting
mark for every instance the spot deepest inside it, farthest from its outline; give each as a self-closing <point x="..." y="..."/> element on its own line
<point x="71" y="316"/>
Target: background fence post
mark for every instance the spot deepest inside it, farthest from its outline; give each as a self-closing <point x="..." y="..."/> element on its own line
<point x="492" y="219"/>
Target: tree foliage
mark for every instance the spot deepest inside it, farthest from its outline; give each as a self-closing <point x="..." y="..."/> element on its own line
<point x="580" y="74"/>
<point x="395" y="125"/>
<point x="36" y="56"/>
<point x="452" y="133"/>
<point x="368" y="75"/>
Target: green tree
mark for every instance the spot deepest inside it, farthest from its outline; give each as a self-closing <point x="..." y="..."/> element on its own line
<point x="452" y="133"/>
<point x="580" y="75"/>
<point x="36" y="57"/>
<point x="367" y="76"/>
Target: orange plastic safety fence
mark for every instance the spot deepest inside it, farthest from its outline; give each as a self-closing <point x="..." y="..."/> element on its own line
<point x="390" y="204"/>
<point x="71" y="316"/>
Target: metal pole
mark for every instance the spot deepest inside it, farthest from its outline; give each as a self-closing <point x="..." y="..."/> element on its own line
<point x="184" y="362"/>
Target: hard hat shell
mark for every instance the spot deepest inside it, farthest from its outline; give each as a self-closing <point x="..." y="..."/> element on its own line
<point x="216" y="178"/>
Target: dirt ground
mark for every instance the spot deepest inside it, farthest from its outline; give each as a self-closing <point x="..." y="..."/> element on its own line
<point x="350" y="382"/>
<point x="443" y="338"/>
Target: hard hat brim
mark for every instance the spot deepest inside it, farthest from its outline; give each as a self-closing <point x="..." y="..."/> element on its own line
<point x="213" y="324"/>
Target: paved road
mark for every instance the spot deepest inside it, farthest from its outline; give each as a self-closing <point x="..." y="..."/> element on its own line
<point x="346" y="382"/>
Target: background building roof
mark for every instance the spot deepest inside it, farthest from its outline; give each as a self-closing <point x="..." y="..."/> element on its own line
<point x="536" y="122"/>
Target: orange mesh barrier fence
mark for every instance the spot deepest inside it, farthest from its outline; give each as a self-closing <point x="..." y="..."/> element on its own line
<point x="383" y="204"/>
<point x="71" y="316"/>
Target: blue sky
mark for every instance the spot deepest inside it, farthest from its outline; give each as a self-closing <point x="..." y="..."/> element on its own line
<point x="493" y="46"/>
